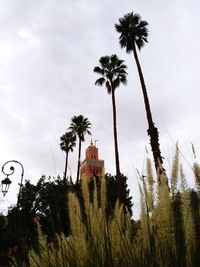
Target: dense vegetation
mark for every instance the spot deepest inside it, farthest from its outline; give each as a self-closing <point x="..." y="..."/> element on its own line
<point x="93" y="230"/>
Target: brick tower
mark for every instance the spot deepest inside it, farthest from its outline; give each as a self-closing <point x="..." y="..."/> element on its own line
<point x="91" y="165"/>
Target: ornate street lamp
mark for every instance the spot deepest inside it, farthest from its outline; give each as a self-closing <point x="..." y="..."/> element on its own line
<point x="5" y="183"/>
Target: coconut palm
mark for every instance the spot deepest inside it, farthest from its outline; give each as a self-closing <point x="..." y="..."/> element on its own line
<point x="133" y="34"/>
<point x="80" y="126"/>
<point x="113" y="73"/>
<point x="67" y="144"/>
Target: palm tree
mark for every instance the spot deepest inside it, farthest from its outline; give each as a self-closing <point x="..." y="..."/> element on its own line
<point x="113" y="72"/>
<point x="67" y="144"/>
<point x="133" y="33"/>
<point x="80" y="126"/>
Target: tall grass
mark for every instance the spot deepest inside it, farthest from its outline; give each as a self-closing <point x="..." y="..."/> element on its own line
<point x="165" y="236"/>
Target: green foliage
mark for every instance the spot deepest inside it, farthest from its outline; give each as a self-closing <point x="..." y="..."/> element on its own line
<point x="112" y="194"/>
<point x="47" y="202"/>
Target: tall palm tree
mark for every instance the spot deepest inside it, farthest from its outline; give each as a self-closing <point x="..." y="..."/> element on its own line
<point x="80" y="126"/>
<point x="113" y="72"/>
<point x="133" y="33"/>
<point x="67" y="144"/>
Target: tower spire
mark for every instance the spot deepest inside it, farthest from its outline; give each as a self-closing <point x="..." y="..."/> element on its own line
<point x="92" y="166"/>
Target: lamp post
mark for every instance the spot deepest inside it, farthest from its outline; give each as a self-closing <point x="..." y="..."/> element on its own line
<point x="6" y="182"/>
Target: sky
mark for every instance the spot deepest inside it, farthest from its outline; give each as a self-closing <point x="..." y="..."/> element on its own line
<point x="48" y="50"/>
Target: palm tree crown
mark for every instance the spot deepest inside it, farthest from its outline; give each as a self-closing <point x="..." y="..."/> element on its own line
<point x="67" y="142"/>
<point x="113" y="72"/>
<point x="132" y="30"/>
<point x="80" y="126"/>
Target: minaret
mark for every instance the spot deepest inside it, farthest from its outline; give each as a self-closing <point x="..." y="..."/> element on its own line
<point x="92" y="165"/>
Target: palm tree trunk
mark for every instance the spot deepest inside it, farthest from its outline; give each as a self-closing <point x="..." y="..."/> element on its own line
<point x="152" y="130"/>
<point x="66" y="163"/>
<point x="79" y="160"/>
<point x="117" y="164"/>
<point x="115" y="134"/>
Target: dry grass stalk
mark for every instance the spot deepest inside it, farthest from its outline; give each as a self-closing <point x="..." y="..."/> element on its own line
<point x="175" y="172"/>
<point x="187" y="220"/>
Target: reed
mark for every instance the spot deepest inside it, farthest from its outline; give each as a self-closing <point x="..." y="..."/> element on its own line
<point x="165" y="236"/>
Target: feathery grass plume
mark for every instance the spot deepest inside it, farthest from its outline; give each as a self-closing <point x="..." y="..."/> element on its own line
<point x="97" y="240"/>
<point x="107" y="239"/>
<point x="196" y="170"/>
<point x="85" y="192"/>
<point x="148" y="209"/>
<point x="103" y="202"/>
<point x="137" y="249"/>
<point x="103" y="194"/>
<point x="95" y="198"/>
<point x="79" y="246"/>
<point x="116" y="232"/>
<point x="119" y="229"/>
<point x="165" y="240"/>
<point x="144" y="224"/>
<point x="94" y="219"/>
<point x="51" y="254"/>
<point x="175" y="172"/>
<point x="95" y="228"/>
<point x="56" y="253"/>
<point x="187" y="220"/>
<point x="42" y="259"/>
<point x="129" y="240"/>
<point x="150" y="181"/>
<point x="144" y="233"/>
<point x="93" y="216"/>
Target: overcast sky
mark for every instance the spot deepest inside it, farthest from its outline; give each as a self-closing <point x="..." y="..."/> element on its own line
<point x="48" y="49"/>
